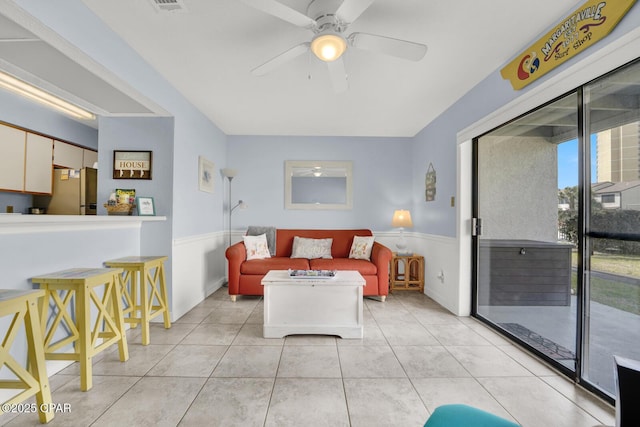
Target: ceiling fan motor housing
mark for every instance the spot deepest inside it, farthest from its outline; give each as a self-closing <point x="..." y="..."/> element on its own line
<point x="323" y="12"/>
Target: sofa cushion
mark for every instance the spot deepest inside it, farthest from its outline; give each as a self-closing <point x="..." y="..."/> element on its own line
<point x="262" y="266"/>
<point x="311" y="248"/>
<point x="360" y="265"/>
<point x="342" y="239"/>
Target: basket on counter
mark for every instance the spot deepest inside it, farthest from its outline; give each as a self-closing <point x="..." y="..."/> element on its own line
<point x="120" y="209"/>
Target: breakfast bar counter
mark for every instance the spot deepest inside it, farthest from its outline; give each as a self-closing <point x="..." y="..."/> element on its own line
<point x="17" y="223"/>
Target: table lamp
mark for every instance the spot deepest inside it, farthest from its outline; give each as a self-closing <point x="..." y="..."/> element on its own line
<point x="402" y="220"/>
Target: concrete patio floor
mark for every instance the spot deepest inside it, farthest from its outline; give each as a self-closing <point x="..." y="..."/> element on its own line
<point x="612" y="332"/>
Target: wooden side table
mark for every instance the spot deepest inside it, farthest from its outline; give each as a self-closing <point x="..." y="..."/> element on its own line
<point x="22" y="306"/>
<point x="77" y="326"/>
<point x="407" y="273"/>
<point x="144" y="289"/>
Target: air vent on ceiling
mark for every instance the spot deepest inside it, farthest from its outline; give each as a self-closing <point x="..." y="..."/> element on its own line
<point x="169" y="5"/>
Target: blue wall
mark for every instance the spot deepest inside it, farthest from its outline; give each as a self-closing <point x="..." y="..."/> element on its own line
<point x="153" y="134"/>
<point x="380" y="179"/>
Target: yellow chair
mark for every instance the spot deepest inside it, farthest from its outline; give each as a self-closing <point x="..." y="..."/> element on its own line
<point x="88" y="338"/>
<point x="22" y="306"/>
<point x="144" y="289"/>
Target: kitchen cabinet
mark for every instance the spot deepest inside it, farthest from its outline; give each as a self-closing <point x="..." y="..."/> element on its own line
<point x="89" y="157"/>
<point x="67" y="155"/>
<point x="12" y="156"/>
<point x="38" y="165"/>
<point x="73" y="157"/>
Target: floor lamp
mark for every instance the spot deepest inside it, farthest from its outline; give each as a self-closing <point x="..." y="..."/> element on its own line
<point x="230" y="174"/>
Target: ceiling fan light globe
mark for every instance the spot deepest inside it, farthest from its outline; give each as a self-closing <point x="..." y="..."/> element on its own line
<point x="328" y="47"/>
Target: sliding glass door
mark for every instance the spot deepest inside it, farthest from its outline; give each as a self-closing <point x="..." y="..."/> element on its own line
<point x="527" y="171"/>
<point x="557" y="228"/>
<point x="612" y="260"/>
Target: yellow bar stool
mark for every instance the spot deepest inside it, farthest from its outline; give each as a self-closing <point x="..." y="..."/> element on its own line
<point x="144" y="290"/>
<point x="88" y="335"/>
<point x="22" y="306"/>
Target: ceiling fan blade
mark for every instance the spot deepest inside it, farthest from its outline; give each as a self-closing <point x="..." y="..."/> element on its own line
<point x="399" y="48"/>
<point x="275" y="62"/>
<point x="338" y="75"/>
<point x="350" y="10"/>
<point x="279" y="10"/>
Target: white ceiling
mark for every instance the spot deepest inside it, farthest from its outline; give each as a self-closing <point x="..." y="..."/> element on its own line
<point x="208" y="50"/>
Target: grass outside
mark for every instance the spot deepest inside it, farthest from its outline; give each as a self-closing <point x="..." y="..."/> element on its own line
<point x="623" y="296"/>
<point x="624" y="265"/>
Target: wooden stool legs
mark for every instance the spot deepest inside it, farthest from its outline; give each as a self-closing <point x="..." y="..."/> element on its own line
<point x="88" y="338"/>
<point x="23" y="306"/>
<point x="144" y="289"/>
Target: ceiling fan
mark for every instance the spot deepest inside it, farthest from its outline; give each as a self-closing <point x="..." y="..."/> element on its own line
<point x="328" y="20"/>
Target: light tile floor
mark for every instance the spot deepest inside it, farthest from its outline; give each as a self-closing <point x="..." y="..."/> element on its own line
<point x="214" y="368"/>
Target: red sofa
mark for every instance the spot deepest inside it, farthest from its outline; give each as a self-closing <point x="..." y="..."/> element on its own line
<point x="245" y="276"/>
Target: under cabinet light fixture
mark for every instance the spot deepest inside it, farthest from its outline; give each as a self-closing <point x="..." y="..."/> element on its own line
<point x="28" y="91"/>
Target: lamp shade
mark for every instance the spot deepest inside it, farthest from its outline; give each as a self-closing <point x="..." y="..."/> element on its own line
<point x="328" y="47"/>
<point x="402" y="218"/>
<point x="229" y="173"/>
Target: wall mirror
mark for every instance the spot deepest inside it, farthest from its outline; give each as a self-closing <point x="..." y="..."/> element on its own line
<point x="318" y="185"/>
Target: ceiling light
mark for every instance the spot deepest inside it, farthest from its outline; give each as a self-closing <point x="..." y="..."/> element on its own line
<point x="328" y="47"/>
<point x="32" y="92"/>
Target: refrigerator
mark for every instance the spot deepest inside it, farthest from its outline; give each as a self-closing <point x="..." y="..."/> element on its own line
<point x="74" y="192"/>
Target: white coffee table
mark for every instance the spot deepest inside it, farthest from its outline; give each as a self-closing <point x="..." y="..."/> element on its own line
<point x="313" y="306"/>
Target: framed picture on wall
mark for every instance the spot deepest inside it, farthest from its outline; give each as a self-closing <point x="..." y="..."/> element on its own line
<point x="131" y="164"/>
<point x="205" y="174"/>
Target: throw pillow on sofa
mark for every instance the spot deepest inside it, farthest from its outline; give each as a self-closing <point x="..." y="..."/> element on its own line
<point x="361" y="247"/>
<point x="311" y="248"/>
<point x="257" y="247"/>
<point x="270" y="232"/>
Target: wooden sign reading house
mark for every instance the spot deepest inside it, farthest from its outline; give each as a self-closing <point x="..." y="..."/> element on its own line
<point x="586" y="26"/>
<point x="132" y="165"/>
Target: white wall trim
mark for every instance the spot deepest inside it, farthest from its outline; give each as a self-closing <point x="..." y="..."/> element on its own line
<point x="463" y="226"/>
<point x="189" y="240"/>
<point x="609" y="57"/>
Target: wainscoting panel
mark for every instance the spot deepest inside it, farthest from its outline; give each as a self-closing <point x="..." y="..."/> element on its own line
<point x="198" y="270"/>
<point x="442" y="269"/>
